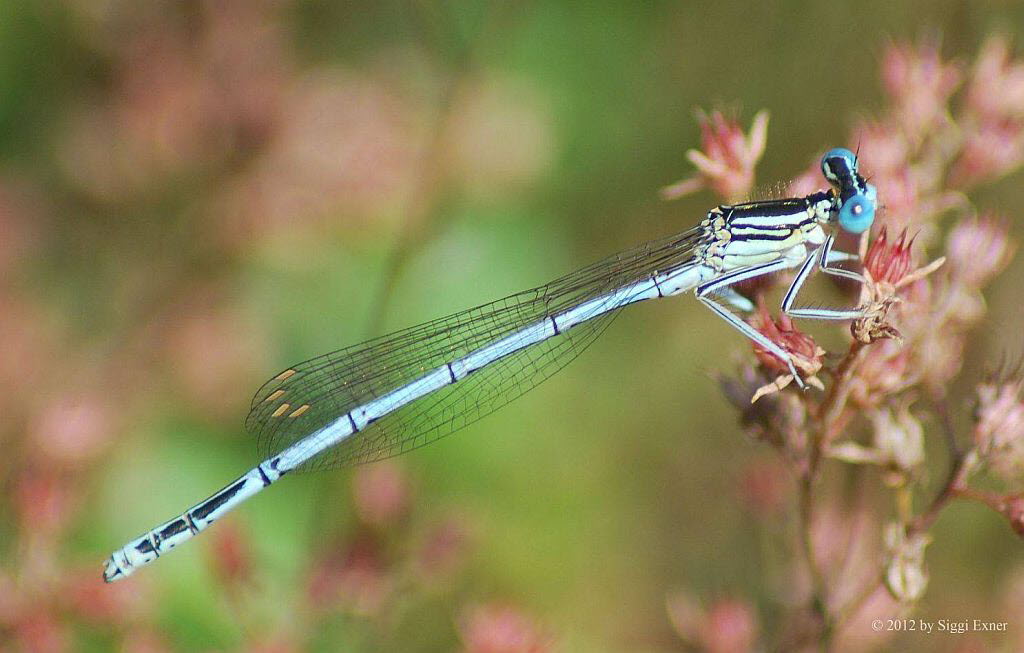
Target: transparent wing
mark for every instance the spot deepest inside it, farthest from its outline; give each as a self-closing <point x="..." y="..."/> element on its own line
<point x="312" y="394"/>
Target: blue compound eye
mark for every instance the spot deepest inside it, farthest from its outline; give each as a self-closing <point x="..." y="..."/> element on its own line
<point x="838" y="165"/>
<point x="857" y="213"/>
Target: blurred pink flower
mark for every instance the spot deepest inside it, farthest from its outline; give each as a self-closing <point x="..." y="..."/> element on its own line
<point x="350" y="148"/>
<point x="501" y="629"/>
<point x="29" y="353"/>
<point x="990" y="151"/>
<point x="1013" y="510"/>
<point x="43" y="502"/>
<point x="730" y="626"/>
<point x="444" y="549"/>
<point x="231" y="554"/>
<point x="381" y="493"/>
<point x="726" y="164"/>
<point x="882" y="147"/>
<point x="246" y="50"/>
<point x="84" y="594"/>
<point x="168" y="110"/>
<point x="883" y="372"/>
<point x="164" y="115"/>
<point x="978" y="248"/>
<point x="920" y="83"/>
<point x="856" y="634"/>
<point x="764" y="487"/>
<point x="845" y="545"/>
<point x="213" y="350"/>
<point x="179" y="97"/>
<point x="40" y="632"/>
<point x="999" y="428"/>
<point x="352" y="575"/>
<point x="73" y="429"/>
<point x="996" y="88"/>
<point x="726" y="626"/>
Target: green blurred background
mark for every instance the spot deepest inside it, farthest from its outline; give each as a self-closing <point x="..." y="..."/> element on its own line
<point x="199" y="194"/>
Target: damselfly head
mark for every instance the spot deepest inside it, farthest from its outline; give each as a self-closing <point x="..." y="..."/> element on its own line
<point x="839" y="165"/>
<point x="857" y="198"/>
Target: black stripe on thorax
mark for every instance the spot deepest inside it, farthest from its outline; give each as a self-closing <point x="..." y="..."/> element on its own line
<point x="768" y="209"/>
<point x="777" y="221"/>
<point x="763" y="236"/>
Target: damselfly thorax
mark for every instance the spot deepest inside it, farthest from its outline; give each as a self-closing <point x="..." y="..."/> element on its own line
<point x="742" y="235"/>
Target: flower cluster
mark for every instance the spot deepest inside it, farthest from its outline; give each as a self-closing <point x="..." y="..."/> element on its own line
<point x="947" y="129"/>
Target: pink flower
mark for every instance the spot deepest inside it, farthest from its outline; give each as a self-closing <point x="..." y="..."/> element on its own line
<point x="231" y="554"/>
<point x="29" y="351"/>
<point x="882" y="147"/>
<point x="74" y="428"/>
<point x="729" y="157"/>
<point x="920" y="83"/>
<point x="213" y="350"/>
<point x="501" y="629"/>
<point x="44" y="503"/>
<point x="888" y="262"/>
<point x="990" y="151"/>
<point x="730" y="626"/>
<point x="727" y="626"/>
<point x="352" y="148"/>
<point x="40" y="631"/>
<point x="85" y="594"/>
<point x="351" y="574"/>
<point x="884" y="370"/>
<point x="381" y="493"/>
<point x="444" y="549"/>
<point x="1013" y="510"/>
<point x="996" y="89"/>
<point x="999" y="428"/>
<point x="806" y="354"/>
<point x="764" y="486"/>
<point x="978" y="248"/>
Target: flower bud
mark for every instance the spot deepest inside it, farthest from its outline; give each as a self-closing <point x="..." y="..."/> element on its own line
<point x="888" y="261"/>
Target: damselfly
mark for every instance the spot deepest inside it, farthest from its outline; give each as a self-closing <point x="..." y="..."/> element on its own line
<point x="401" y="391"/>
